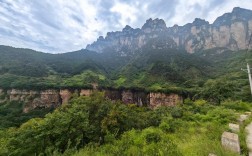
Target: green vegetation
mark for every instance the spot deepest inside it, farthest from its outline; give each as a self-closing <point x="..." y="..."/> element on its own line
<point x="12" y="115"/>
<point x="97" y="126"/>
<point x="150" y="69"/>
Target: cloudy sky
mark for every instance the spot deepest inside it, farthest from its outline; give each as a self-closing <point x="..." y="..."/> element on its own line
<point x="58" y="26"/>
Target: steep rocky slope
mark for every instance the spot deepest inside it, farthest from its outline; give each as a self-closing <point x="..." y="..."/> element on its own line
<point x="53" y="98"/>
<point x="231" y="30"/>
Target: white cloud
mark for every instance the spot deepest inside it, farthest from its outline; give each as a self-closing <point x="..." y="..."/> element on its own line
<point x="187" y="11"/>
<point x="61" y="25"/>
<point x="228" y="7"/>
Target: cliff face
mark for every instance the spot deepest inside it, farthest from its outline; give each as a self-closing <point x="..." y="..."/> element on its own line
<point x="162" y="99"/>
<point x="129" y="40"/>
<point x="55" y="98"/>
<point x="232" y="31"/>
<point x="40" y="99"/>
<point x="139" y="98"/>
<point x="35" y="99"/>
<point x="65" y="95"/>
<point x="85" y="92"/>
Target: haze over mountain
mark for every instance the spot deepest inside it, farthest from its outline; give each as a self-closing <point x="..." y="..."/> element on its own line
<point x="61" y="26"/>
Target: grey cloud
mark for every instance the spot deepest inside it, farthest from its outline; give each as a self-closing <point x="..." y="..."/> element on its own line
<point x="166" y="9"/>
<point x="106" y="16"/>
<point x="5" y="32"/>
<point x="61" y="26"/>
<point x="45" y="12"/>
<point x="40" y="27"/>
<point x="77" y="19"/>
<point x="212" y="4"/>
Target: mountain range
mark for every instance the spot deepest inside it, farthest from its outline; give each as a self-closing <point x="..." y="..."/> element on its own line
<point x="231" y="30"/>
<point x="158" y="85"/>
<point x="154" y="57"/>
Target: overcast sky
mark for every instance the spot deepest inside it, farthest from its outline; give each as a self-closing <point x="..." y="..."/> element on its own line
<point x="57" y="26"/>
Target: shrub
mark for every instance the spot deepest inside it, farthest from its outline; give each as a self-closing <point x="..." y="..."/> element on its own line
<point x="177" y="112"/>
<point x="237" y="105"/>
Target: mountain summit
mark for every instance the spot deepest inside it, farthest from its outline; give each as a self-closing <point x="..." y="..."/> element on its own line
<point x="231" y="31"/>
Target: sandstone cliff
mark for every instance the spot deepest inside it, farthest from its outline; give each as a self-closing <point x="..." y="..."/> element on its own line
<point x="232" y="31"/>
<point x="35" y="99"/>
<point x="55" y="98"/>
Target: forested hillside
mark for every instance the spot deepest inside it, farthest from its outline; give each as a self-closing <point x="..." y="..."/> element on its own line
<point x="150" y="91"/>
<point x="150" y="69"/>
<point x="97" y="126"/>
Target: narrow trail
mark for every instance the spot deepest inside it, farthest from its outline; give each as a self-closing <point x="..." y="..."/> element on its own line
<point x="249" y="138"/>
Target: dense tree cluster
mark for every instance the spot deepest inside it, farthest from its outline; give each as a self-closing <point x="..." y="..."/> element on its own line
<point x="97" y="126"/>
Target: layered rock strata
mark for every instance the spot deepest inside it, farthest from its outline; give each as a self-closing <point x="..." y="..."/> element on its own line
<point x="54" y="98"/>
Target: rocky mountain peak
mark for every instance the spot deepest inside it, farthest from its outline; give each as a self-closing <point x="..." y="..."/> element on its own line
<point x="154" y="25"/>
<point x="101" y="38"/>
<point x="238" y="10"/>
<point x="127" y="28"/>
<point x="237" y="14"/>
<point x="200" y="22"/>
<point x="242" y="14"/>
<point x="231" y="30"/>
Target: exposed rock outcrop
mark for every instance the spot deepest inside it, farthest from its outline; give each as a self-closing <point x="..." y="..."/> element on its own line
<point x="231" y="30"/>
<point x="21" y="95"/>
<point x="54" y="98"/>
<point x="86" y="92"/>
<point x="139" y="98"/>
<point x="162" y="99"/>
<point x="45" y="99"/>
<point x="65" y="95"/>
<point x="113" y="95"/>
<point x="127" y="97"/>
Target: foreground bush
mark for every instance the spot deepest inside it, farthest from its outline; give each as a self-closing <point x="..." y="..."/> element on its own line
<point x="150" y="141"/>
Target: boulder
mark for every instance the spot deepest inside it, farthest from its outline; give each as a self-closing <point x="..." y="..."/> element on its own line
<point x="234" y="127"/>
<point x="231" y="142"/>
<point x="242" y="118"/>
